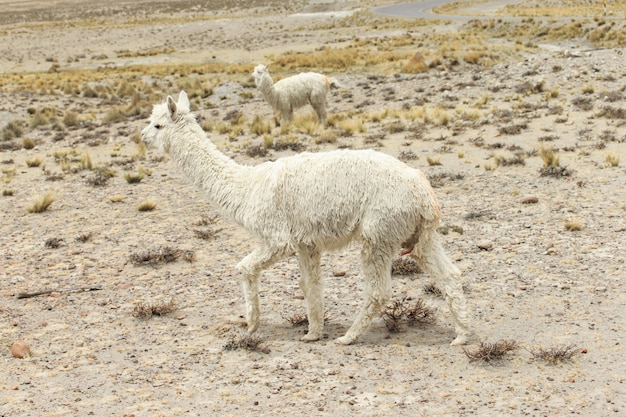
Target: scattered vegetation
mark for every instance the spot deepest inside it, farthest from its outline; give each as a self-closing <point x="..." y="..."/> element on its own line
<point x="41" y="203"/>
<point x="405" y="266"/>
<point x="573" y="225"/>
<point x="161" y="255"/>
<point x="207" y="229"/>
<point x="400" y="312"/>
<point x="611" y="160"/>
<point x="53" y="243"/>
<point x="251" y="343"/>
<point x="35" y="162"/>
<point x="146" y="206"/>
<point x="146" y="310"/>
<point x="490" y="352"/>
<point x="554" y="355"/>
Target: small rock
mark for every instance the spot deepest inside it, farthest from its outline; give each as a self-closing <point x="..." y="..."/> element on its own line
<point x="20" y="350"/>
<point x="485" y="245"/>
<point x="530" y="200"/>
<point x="339" y="273"/>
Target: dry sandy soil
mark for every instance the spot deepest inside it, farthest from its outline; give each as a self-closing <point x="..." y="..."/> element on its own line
<point x="527" y="277"/>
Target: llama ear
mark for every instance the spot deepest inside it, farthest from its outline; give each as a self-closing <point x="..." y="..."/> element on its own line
<point x="183" y="101"/>
<point x="171" y="106"/>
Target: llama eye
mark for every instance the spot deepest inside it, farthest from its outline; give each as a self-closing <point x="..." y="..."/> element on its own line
<point x="157" y="127"/>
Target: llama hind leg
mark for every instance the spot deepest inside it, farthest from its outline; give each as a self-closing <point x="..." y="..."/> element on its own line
<point x="311" y="285"/>
<point x="251" y="266"/>
<point x="377" y="279"/>
<point x="432" y="257"/>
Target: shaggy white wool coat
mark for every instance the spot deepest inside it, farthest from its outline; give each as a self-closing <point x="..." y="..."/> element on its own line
<point x="291" y="93"/>
<point x="314" y="202"/>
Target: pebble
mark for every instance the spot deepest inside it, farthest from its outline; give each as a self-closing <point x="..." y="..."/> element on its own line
<point x="530" y="200"/>
<point x="485" y="245"/>
<point x="20" y="350"/>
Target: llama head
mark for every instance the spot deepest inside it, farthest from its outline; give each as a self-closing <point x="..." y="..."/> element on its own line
<point x="258" y="73"/>
<point x="164" y="115"/>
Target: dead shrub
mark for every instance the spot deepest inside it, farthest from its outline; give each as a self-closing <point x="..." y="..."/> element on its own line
<point x="251" y="343"/>
<point x="161" y="255"/>
<point x="405" y="266"/>
<point x="399" y="313"/>
<point x="491" y="352"/>
<point x="160" y="308"/>
<point x="554" y="355"/>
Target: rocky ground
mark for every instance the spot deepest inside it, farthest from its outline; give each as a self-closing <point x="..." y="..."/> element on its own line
<point x="529" y="275"/>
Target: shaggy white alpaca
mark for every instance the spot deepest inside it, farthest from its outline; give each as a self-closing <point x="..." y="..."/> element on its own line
<point x="313" y="202"/>
<point x="291" y="93"/>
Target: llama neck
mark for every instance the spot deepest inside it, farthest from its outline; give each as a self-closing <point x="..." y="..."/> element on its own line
<point x="267" y="88"/>
<point x="215" y="173"/>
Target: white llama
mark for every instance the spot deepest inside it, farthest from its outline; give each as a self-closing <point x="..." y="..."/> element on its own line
<point x="291" y="93"/>
<point x="314" y="202"/>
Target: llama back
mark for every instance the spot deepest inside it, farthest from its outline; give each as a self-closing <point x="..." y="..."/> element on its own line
<point x="334" y="196"/>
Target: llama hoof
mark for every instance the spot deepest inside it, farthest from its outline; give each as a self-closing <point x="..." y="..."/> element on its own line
<point x="252" y="328"/>
<point x="310" y="338"/>
<point x="344" y="340"/>
<point x="460" y="340"/>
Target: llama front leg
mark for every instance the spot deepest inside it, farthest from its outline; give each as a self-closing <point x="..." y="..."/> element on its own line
<point x="251" y="266"/>
<point x="311" y="285"/>
<point x="377" y="277"/>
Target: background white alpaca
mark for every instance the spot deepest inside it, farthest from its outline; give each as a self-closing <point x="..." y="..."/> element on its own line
<point x="313" y="202"/>
<point x="291" y="93"/>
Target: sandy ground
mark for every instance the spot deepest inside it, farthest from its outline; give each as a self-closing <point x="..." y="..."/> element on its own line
<point x="527" y="278"/>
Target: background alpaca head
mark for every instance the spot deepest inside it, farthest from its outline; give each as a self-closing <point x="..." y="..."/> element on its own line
<point x="258" y="73"/>
<point x="164" y="115"/>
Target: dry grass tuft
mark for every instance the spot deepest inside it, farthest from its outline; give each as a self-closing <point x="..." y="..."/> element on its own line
<point x="41" y="203"/>
<point x="491" y="352"/>
<point x="146" y="206"/>
<point x="611" y="160"/>
<point x="146" y="310"/>
<point x="554" y="355"/>
<point x="161" y="255"/>
<point x="35" y="162"/>
<point x="573" y="225"/>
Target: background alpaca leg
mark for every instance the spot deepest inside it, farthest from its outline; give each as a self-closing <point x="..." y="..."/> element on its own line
<point x="286" y="116"/>
<point x="430" y="255"/>
<point x="311" y="285"/>
<point x="251" y="266"/>
<point x="321" y="114"/>
<point x="377" y="276"/>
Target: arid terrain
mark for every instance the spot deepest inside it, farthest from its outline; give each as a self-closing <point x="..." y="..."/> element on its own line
<point x="519" y="123"/>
